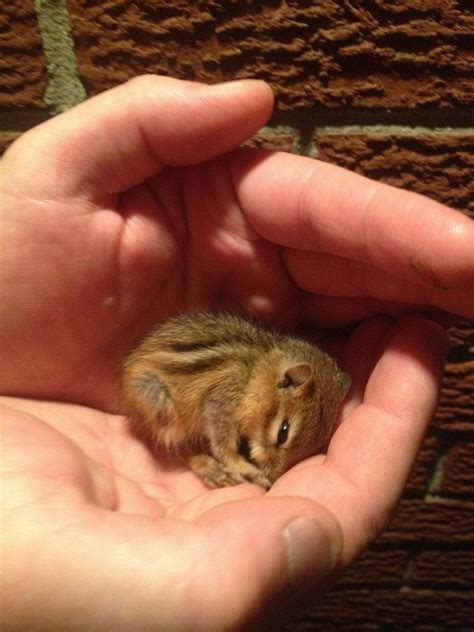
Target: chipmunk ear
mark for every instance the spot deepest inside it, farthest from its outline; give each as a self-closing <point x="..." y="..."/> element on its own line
<point x="296" y="375"/>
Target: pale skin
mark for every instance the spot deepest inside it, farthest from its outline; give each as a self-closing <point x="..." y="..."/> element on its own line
<point x="134" y="206"/>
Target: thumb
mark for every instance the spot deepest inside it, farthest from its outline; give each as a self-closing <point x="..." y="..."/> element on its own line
<point x="270" y="554"/>
<point x="119" y="138"/>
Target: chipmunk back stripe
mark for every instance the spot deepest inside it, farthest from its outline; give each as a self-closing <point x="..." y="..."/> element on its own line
<point x="189" y="362"/>
<point x="181" y="346"/>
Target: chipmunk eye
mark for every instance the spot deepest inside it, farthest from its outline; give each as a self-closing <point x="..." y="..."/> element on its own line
<point x="283" y="432"/>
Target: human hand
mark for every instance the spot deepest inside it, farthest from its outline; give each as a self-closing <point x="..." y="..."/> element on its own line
<point x="99" y="535"/>
<point x="104" y="241"/>
<point x="106" y="238"/>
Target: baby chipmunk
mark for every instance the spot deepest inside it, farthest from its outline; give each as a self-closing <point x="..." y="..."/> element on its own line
<point x="237" y="401"/>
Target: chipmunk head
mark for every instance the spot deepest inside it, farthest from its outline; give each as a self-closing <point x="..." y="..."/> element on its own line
<point x="295" y="406"/>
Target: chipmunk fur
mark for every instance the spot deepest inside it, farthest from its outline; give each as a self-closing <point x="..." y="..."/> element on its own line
<point x="238" y="401"/>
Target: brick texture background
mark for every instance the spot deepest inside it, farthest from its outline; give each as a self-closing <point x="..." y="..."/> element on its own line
<point x="382" y="88"/>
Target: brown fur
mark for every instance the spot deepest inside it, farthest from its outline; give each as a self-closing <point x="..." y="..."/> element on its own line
<point x="217" y="388"/>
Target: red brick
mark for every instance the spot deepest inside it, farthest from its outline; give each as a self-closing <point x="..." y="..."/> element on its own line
<point x="277" y="139"/>
<point x="389" y="609"/>
<point x="461" y="339"/>
<point x="22" y="63"/>
<point x="439" y="165"/>
<point x="364" y="54"/>
<point x="437" y="521"/>
<point x="438" y="569"/>
<point x="456" y="406"/>
<point x="458" y="471"/>
<point x="421" y="473"/>
<point x="378" y="567"/>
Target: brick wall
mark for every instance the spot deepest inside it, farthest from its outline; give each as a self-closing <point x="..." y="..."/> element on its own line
<point x="383" y="88"/>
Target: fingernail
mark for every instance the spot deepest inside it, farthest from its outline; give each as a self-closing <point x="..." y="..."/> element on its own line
<point x="310" y="550"/>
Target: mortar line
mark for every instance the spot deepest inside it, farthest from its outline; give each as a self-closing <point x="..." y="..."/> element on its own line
<point x="436" y="478"/>
<point x="64" y="88"/>
<point x="269" y="130"/>
<point x="408" y="570"/>
<point x="400" y="130"/>
<point x="459" y="118"/>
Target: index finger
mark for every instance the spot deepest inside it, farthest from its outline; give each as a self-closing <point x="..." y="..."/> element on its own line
<point x="117" y="139"/>
<point x="311" y="205"/>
